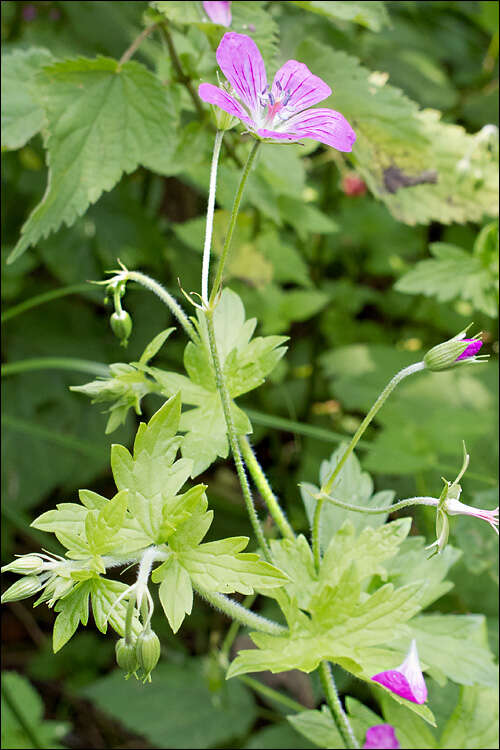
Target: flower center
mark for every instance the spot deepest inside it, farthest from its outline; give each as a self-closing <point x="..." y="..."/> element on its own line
<point x="274" y="107"/>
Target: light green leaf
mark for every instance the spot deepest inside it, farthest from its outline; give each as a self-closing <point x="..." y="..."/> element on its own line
<point x="154" y="346"/>
<point x="455" y="273"/>
<point x="73" y="609"/>
<point x="373" y="15"/>
<point x="103" y="119"/>
<point x="474" y="722"/>
<point x="67" y="517"/>
<point x="319" y="727"/>
<point x="176" y="593"/>
<point x="22" y="115"/>
<point x="410" y="730"/>
<point x="105" y="593"/>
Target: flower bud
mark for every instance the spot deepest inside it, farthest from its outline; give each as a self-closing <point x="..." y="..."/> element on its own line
<point x="22" y="589"/>
<point x="126" y="656"/>
<point x="25" y="565"/>
<point x="223" y="120"/>
<point x="453" y="352"/>
<point x="121" y="323"/>
<point x="353" y="184"/>
<point x="148" y="651"/>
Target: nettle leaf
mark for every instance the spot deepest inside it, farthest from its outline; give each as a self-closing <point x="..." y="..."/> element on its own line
<point x="456" y="273"/>
<point x="373" y="15"/>
<point x="103" y="119"/>
<point x="245" y="362"/>
<point x="407" y="157"/>
<point x="22" y="114"/>
<point x="352" y="486"/>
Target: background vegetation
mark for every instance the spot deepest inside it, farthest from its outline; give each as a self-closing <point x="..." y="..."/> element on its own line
<point x="362" y="284"/>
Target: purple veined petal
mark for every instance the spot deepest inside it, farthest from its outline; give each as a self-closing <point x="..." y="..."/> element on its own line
<point x="240" y="60"/>
<point x="406" y="680"/>
<point x="472" y="349"/>
<point x="218" y="12"/>
<point x="214" y="95"/>
<point x="323" y="125"/>
<point x="381" y="736"/>
<point x="277" y="135"/>
<point x="299" y="87"/>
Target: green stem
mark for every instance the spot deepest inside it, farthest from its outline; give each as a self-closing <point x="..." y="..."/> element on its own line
<point x="272" y="694"/>
<point x="210" y="216"/>
<point x="289" y="425"/>
<point x="328" y="485"/>
<point x="332" y="698"/>
<point x="40" y="299"/>
<point x="232" y="222"/>
<point x="129" y="616"/>
<point x="234" y="628"/>
<point x="179" y="72"/>
<point x="387" y="509"/>
<point x="233" y="438"/>
<point x="135" y="45"/>
<point x="239" y="613"/>
<point x="264" y="488"/>
<point x="165" y="297"/>
<point x="55" y="363"/>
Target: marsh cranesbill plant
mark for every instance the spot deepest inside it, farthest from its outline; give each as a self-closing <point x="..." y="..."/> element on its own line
<point x="280" y="111"/>
<point x="381" y="737"/>
<point x="406" y="680"/>
<point x="218" y="11"/>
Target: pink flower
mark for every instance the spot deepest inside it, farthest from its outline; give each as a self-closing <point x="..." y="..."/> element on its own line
<point x="472" y="349"/>
<point x="406" y="680"/>
<point x="454" y="507"/>
<point x="353" y="185"/>
<point x="218" y="12"/>
<point x="279" y="111"/>
<point x="381" y="736"/>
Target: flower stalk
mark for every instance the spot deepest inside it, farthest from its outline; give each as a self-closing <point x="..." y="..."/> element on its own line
<point x="210" y="216"/>
<point x="332" y="698"/>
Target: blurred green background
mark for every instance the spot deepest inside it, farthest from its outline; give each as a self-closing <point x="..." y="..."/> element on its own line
<point x="346" y="276"/>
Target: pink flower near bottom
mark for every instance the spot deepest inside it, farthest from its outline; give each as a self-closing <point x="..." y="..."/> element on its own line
<point x="406" y="680"/>
<point x="381" y="737"/>
<point x="279" y="111"/>
<point x="218" y="11"/>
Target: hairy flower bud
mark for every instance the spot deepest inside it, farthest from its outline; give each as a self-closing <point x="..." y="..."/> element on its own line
<point x="22" y="589"/>
<point x="121" y="323"/>
<point x="25" y="565"/>
<point x="148" y="651"/>
<point x="126" y="656"/>
<point x="452" y="353"/>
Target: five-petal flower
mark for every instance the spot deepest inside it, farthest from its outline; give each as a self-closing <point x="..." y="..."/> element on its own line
<point x="406" y="680"/>
<point x="281" y="111"/>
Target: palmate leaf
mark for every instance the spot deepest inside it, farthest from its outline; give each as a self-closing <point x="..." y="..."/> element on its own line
<point x="407" y="157"/>
<point x="101" y="119"/>
<point x="245" y="361"/>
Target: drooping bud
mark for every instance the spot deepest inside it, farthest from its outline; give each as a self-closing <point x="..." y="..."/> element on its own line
<point x="454" y="352"/>
<point x="25" y="565"/>
<point x="22" y="589"/>
<point x="121" y="323"/>
<point x="148" y="650"/>
<point x="126" y="656"/>
<point x="353" y="184"/>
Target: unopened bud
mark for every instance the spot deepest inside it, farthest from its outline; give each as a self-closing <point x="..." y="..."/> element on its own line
<point x="121" y="323"/>
<point x="126" y="656"/>
<point x="452" y="353"/>
<point x="22" y="589"/>
<point x="148" y="650"/>
<point x="223" y="120"/>
<point x="25" y="565"/>
<point x="353" y="184"/>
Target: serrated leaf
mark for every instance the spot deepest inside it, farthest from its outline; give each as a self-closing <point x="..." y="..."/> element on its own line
<point x="373" y="15"/>
<point x="22" y="114"/>
<point x="103" y="119"/>
<point x="176" y="593"/>
<point x="407" y="157"/>
<point x="454" y="273"/>
<point x="73" y="609"/>
<point x="104" y="594"/>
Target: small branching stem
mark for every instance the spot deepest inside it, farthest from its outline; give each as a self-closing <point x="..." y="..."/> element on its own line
<point x="135" y="45"/>
<point x="332" y="698"/>
<point x="239" y="613"/>
<point x="264" y="488"/>
<point x="232" y="435"/>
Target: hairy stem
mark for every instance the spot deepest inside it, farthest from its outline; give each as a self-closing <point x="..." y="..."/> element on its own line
<point x="264" y="488"/>
<point x="332" y="698"/>
<point x="386" y="509"/>
<point x="234" y="628"/>
<point x="328" y="485"/>
<point x="233" y="438"/>
<point x="210" y="216"/>
<point x="165" y="297"/>
<point x="232" y="221"/>
<point x="242" y="615"/>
